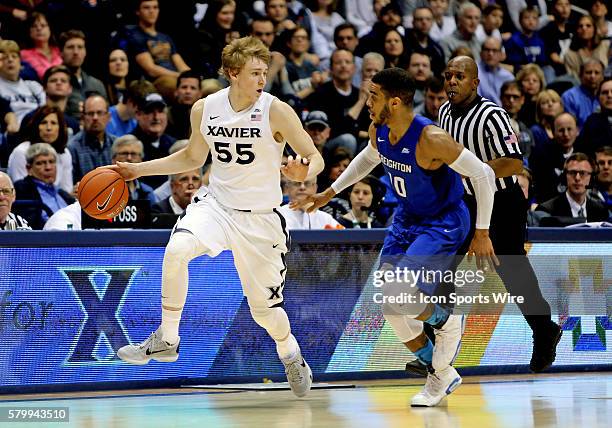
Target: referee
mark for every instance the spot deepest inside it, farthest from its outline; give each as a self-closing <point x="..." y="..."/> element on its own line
<point x="484" y="129"/>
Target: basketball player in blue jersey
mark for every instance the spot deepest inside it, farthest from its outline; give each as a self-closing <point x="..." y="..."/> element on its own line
<point x="425" y="166"/>
<point x="245" y="130"/>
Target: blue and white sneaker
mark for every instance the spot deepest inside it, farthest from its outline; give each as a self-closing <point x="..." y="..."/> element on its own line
<point x="439" y="384"/>
<point x="448" y="341"/>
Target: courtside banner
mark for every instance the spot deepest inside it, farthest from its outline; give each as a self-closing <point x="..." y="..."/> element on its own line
<point x="65" y="310"/>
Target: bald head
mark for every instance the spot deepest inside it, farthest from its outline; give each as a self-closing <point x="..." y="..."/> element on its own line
<point x="565" y="131"/>
<point x="461" y="80"/>
<point x="467" y="64"/>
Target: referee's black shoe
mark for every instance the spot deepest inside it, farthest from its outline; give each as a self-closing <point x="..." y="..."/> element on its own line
<point x="545" y="347"/>
<point x="416" y="368"/>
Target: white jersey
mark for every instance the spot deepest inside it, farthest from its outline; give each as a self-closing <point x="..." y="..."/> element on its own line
<point x="246" y="159"/>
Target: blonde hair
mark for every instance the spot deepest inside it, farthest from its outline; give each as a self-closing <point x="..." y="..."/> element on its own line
<point x="9" y="46"/>
<point x="528" y="69"/>
<point x="238" y="52"/>
<point x="545" y="95"/>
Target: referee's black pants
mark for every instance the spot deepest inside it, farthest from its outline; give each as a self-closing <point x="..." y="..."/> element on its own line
<point x="508" y="230"/>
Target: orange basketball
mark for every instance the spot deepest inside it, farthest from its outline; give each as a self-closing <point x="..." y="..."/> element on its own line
<point x="103" y="193"/>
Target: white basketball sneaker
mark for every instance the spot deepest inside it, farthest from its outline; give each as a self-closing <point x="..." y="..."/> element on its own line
<point x="438" y="385"/>
<point x="298" y="374"/>
<point x="448" y="341"/>
<point x="154" y="348"/>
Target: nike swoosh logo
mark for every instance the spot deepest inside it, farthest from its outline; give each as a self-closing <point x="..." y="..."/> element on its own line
<point x="275" y="245"/>
<point x="149" y="352"/>
<point x="303" y="363"/>
<point x="105" y="204"/>
<point x="380" y="140"/>
<point x="447" y="230"/>
<point x="212" y="117"/>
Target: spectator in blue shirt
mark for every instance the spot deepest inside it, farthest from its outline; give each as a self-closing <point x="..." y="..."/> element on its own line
<point x="581" y="101"/>
<point x="526" y="46"/>
<point x="492" y="76"/>
<point x="123" y="115"/>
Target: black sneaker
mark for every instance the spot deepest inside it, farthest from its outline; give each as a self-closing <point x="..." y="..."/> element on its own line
<point x="545" y="348"/>
<point x="416" y="368"/>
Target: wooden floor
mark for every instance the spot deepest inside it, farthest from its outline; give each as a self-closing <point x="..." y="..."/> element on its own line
<point x="554" y="400"/>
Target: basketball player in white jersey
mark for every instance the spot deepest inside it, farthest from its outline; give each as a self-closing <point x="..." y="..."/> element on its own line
<point x="245" y="130"/>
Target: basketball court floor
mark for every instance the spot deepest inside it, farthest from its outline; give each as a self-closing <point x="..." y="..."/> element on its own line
<point x="550" y="400"/>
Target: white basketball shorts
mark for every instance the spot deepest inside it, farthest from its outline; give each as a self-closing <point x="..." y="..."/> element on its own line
<point x="259" y="242"/>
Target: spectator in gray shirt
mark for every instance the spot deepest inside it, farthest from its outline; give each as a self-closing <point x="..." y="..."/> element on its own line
<point x="468" y="18"/>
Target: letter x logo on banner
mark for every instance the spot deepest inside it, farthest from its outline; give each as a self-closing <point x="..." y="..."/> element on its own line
<point x="102" y="312"/>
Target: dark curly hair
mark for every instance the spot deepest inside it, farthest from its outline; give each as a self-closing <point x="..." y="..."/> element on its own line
<point x="32" y="135"/>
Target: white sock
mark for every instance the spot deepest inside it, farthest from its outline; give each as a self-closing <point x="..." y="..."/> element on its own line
<point x="170" y="325"/>
<point x="288" y="348"/>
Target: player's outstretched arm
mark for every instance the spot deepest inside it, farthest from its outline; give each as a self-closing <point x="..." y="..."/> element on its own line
<point x="359" y="167"/>
<point x="439" y="147"/>
<point x="191" y="157"/>
<point x="308" y="163"/>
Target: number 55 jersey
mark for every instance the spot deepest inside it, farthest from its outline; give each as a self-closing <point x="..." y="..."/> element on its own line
<point x="246" y="159"/>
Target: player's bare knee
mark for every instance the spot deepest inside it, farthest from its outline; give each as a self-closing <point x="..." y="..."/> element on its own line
<point x="182" y="247"/>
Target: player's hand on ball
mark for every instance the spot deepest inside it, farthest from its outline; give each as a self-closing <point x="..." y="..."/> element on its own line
<point x="482" y="247"/>
<point x="314" y="202"/>
<point x="296" y="169"/>
<point x="127" y="170"/>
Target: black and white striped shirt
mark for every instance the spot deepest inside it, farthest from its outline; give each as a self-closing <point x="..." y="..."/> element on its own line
<point x="15" y="222"/>
<point x="484" y="129"/>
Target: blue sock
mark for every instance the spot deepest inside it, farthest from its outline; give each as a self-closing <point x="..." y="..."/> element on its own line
<point x="438" y="317"/>
<point x="424" y="355"/>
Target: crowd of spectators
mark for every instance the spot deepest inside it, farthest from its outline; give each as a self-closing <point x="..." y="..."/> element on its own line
<point x="84" y="83"/>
